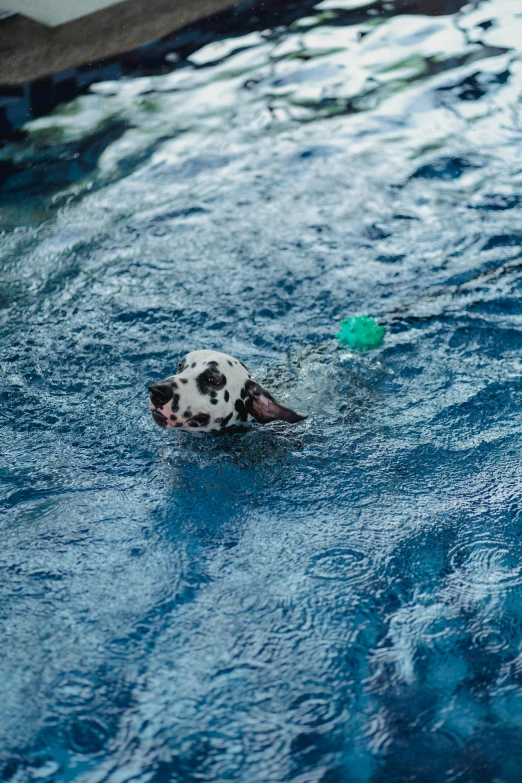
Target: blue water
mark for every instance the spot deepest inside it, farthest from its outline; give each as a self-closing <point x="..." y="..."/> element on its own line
<point x="337" y="601"/>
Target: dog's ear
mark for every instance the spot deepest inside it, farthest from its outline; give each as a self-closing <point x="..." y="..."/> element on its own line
<point x="264" y="408"/>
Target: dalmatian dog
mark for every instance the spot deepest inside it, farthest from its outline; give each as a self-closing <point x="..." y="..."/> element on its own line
<point x="211" y="392"/>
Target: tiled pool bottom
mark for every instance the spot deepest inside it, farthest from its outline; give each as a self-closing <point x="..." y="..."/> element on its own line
<point x="335" y="601"/>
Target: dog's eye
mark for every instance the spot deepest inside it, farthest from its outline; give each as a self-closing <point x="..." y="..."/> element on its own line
<point x="210" y="381"/>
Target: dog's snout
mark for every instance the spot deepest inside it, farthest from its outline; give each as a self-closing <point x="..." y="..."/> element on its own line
<point x="160" y="394"/>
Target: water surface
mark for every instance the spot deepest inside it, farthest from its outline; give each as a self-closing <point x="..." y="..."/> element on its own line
<point x="335" y="601"/>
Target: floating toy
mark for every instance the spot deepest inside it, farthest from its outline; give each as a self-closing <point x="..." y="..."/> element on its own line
<point x="361" y="333"/>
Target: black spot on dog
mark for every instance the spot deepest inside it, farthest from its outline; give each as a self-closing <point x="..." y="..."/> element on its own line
<point x="241" y="409"/>
<point x="183" y="380"/>
<point x="228" y="360"/>
<point x="213" y="394"/>
<point x="193" y="424"/>
<point x="213" y="401"/>
<point x="225" y="421"/>
<point x="182" y="366"/>
<point x="174" y="384"/>
<point x="246" y="368"/>
<point x="187" y="414"/>
<point x="193" y="364"/>
<point x="174" y="403"/>
<point x="159" y="418"/>
<point x="243" y="393"/>
<point x="212" y="364"/>
<point x="179" y="424"/>
<point x="227" y="394"/>
<point x="201" y="418"/>
<point x="172" y="417"/>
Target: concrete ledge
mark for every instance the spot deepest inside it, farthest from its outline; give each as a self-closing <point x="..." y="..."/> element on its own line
<point x="54" y="12"/>
<point x="30" y="51"/>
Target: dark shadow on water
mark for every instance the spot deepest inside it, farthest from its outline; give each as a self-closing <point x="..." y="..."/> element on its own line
<point x="57" y="165"/>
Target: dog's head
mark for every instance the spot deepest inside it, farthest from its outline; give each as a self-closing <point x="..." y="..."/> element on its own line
<point x="212" y="391"/>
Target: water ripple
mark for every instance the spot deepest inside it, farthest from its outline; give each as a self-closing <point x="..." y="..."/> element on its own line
<point x="340" y="563"/>
<point x="487" y="564"/>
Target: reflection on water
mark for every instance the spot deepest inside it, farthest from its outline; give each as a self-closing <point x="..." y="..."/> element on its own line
<point x="334" y="601"/>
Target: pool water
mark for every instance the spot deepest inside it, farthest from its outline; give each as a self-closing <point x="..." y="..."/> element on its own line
<point x="338" y="600"/>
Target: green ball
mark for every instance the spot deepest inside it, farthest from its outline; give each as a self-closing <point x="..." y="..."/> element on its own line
<point x="361" y="333"/>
